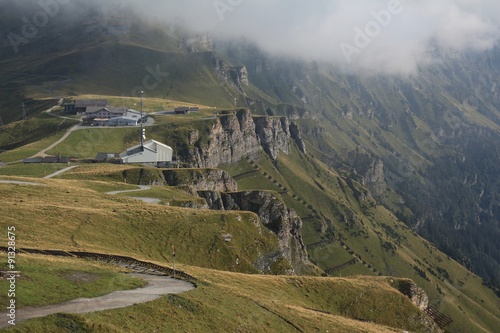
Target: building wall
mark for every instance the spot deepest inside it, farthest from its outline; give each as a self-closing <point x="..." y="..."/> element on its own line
<point x="148" y="156"/>
<point x="164" y="154"/>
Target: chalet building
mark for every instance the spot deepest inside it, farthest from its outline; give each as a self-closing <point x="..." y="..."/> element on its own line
<point x="151" y="152"/>
<point x="80" y="106"/>
<point x="115" y="117"/>
<point x="124" y="121"/>
<point x="105" y="112"/>
<point x="185" y="109"/>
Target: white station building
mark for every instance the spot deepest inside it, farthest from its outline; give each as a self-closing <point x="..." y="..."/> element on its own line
<point x="151" y="152"/>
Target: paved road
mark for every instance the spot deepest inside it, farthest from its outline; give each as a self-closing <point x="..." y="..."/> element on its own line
<point x="157" y="287"/>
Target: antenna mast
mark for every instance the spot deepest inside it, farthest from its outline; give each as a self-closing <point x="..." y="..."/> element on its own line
<point x="141" y="120"/>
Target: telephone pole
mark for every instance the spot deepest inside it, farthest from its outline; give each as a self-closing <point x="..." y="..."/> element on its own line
<point x="173" y="258"/>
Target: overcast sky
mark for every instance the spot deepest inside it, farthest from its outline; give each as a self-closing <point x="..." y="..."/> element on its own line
<point x="390" y="36"/>
<point x="382" y="35"/>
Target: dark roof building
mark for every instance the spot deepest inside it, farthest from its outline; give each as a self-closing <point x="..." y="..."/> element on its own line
<point x="79" y="106"/>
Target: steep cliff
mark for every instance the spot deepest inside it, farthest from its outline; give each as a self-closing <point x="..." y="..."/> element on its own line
<point x="228" y="75"/>
<point x="201" y="179"/>
<point x="375" y="178"/>
<point x="230" y="138"/>
<point x="274" y="135"/>
<point x="274" y="214"/>
<point x="372" y="171"/>
<point x="235" y="136"/>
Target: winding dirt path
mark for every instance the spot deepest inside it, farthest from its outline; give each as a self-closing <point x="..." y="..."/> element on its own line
<point x="57" y="173"/>
<point x="141" y="188"/>
<point x="157" y="287"/>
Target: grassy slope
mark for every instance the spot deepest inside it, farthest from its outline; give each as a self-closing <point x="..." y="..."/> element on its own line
<point x="31" y="131"/>
<point x="88" y="220"/>
<point x="227" y="302"/>
<point x="71" y="216"/>
<point x="74" y="278"/>
<point x="377" y="236"/>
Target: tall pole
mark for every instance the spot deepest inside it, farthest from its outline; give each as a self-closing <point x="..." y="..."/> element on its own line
<point x="142" y="126"/>
<point x="24" y="110"/>
<point x="173" y="258"/>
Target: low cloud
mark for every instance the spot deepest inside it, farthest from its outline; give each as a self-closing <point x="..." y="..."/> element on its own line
<point x="389" y="36"/>
<point x="379" y="36"/>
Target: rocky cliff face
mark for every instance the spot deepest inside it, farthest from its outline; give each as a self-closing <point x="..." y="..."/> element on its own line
<point x="419" y="297"/>
<point x="201" y="179"/>
<point x="297" y="137"/>
<point x="274" y="135"/>
<point x="372" y="170"/>
<point x="233" y="137"/>
<point x="375" y="178"/>
<point x="230" y="138"/>
<point x="274" y="214"/>
<point x="228" y="75"/>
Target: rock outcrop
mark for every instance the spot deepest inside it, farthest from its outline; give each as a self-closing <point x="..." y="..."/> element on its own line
<point x="274" y="214"/>
<point x="375" y="178"/>
<point x="418" y="297"/>
<point x="235" y="136"/>
<point x="274" y="134"/>
<point x="297" y="137"/>
<point x="372" y="171"/>
<point x="230" y="138"/>
<point x="228" y="75"/>
<point x="201" y="179"/>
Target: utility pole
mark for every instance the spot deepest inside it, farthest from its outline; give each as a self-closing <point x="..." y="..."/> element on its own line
<point x="173" y="258"/>
<point x="24" y="110"/>
<point x="142" y="126"/>
<point x="1" y="121"/>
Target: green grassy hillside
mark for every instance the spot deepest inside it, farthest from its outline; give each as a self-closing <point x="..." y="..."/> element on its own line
<point x="74" y="278"/>
<point x="436" y="133"/>
<point x="75" y="215"/>
<point x="342" y="224"/>
<point x="226" y="301"/>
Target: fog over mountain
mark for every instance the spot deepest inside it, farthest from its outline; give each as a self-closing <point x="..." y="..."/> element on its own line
<point x="377" y="36"/>
<point x="388" y="36"/>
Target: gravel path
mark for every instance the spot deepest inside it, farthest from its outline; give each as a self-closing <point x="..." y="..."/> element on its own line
<point x="141" y="188"/>
<point x="57" y="173"/>
<point x="157" y="287"/>
<point x="16" y="182"/>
